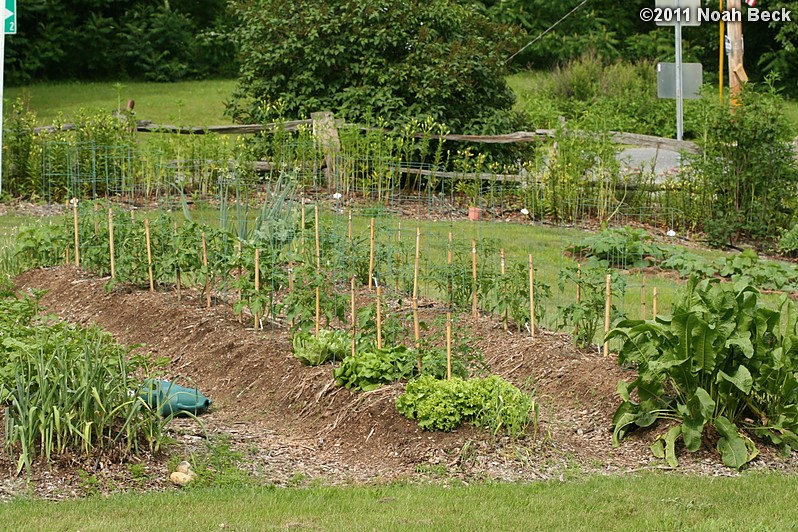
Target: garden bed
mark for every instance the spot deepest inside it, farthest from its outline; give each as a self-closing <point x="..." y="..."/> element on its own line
<point x="294" y="426"/>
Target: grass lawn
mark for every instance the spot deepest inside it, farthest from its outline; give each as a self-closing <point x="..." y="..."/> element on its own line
<point x="194" y="103"/>
<point x="752" y="501"/>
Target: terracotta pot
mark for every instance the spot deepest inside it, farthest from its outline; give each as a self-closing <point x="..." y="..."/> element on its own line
<point x="474" y="213"/>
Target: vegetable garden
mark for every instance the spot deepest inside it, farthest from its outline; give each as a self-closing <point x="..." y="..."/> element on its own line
<point x="377" y="277"/>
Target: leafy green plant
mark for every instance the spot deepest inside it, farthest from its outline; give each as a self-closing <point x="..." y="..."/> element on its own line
<point x="721" y="360"/>
<point x="67" y="389"/>
<point x="369" y="370"/>
<point x="586" y="315"/>
<point x="316" y="350"/>
<point x="508" y="295"/>
<point x="623" y="247"/>
<point x="489" y="402"/>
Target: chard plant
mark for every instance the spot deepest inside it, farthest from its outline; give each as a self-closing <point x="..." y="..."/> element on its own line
<point x="721" y="360"/>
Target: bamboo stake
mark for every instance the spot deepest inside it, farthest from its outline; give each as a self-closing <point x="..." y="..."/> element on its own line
<point x="318" y="246"/>
<point x="349" y="232"/>
<point x="302" y="230"/>
<point x="607" y="303"/>
<point x="132" y="216"/>
<point x="111" y="241"/>
<point x="354" y="316"/>
<point x="149" y="252"/>
<point x="207" y="273"/>
<point x="177" y="269"/>
<point x="416" y="333"/>
<point x="257" y="284"/>
<point x="371" y="254"/>
<point x="474" y="278"/>
<point x="238" y="292"/>
<point x="449" y="345"/>
<point x="531" y="298"/>
<point x="399" y="232"/>
<point x="290" y="280"/>
<point x="77" y="238"/>
<point x="379" y="317"/>
<point x="504" y="318"/>
<point x="654" y="303"/>
<point x="643" y="299"/>
<point x="318" y="267"/>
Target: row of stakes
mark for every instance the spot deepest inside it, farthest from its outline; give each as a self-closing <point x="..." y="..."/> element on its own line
<point x="371" y="284"/>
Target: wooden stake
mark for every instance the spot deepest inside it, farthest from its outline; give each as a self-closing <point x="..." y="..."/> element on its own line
<point x="207" y="273"/>
<point x="607" y="303"/>
<point x="290" y="280"/>
<point x="354" y="317"/>
<point x="257" y="284"/>
<point x="238" y="292"/>
<point x="371" y="254"/>
<point x="302" y="230"/>
<point x="474" y="278"/>
<point x="318" y="246"/>
<point x="111" y="241"/>
<point x="132" y="216"/>
<point x="149" y="252"/>
<point x="349" y="232"/>
<point x="318" y="268"/>
<point x="643" y="299"/>
<point x="318" y="310"/>
<point x="504" y="318"/>
<point x="654" y="303"/>
<point x="449" y="345"/>
<point x="379" y="317"/>
<point x="77" y="238"/>
<point x="531" y="298"/>
<point x="416" y="332"/>
<point x="177" y="269"/>
<point x="399" y="232"/>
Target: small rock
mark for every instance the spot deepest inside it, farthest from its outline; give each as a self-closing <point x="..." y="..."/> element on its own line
<point x="183" y="467"/>
<point x="180" y="479"/>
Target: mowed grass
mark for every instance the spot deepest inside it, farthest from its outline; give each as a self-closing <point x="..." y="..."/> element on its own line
<point x="190" y="103"/>
<point x="752" y="501"/>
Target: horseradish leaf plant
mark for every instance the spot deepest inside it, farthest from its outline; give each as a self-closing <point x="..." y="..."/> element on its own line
<point x="721" y="369"/>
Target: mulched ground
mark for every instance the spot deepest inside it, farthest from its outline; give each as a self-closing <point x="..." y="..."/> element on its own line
<point x="294" y="426"/>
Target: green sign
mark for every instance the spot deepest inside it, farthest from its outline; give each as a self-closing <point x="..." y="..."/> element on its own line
<point x="10" y="16"/>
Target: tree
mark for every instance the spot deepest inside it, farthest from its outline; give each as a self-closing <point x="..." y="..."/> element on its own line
<point x="393" y="59"/>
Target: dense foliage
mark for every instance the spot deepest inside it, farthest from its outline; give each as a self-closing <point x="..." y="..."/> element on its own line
<point x="372" y="58"/>
<point x="143" y="39"/>
<point x="722" y="360"/>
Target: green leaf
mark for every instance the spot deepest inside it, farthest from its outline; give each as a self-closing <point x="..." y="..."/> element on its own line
<point x="658" y="448"/>
<point x="731" y="446"/>
<point x="670" y="445"/>
<point x="741" y="379"/>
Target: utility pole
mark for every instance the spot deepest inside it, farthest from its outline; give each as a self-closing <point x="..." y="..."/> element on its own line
<point x="737" y="75"/>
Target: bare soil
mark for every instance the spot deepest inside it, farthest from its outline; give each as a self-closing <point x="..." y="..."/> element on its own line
<point x="294" y="426"/>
